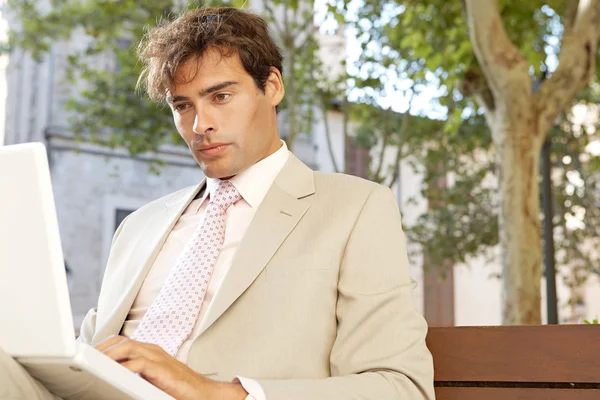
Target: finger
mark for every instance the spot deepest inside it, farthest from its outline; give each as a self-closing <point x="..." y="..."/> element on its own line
<point x="123" y="350"/>
<point x="129" y="349"/>
<point x="108" y="342"/>
<point x="147" y="369"/>
<point x="138" y="365"/>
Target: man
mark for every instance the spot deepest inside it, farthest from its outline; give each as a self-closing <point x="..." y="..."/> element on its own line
<point x="267" y="280"/>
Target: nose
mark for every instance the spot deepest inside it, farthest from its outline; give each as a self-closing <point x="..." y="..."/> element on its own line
<point x="204" y="123"/>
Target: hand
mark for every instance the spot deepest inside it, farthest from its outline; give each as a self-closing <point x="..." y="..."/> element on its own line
<point x="165" y="372"/>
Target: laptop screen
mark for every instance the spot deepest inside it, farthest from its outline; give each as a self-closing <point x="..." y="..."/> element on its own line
<point x="35" y="312"/>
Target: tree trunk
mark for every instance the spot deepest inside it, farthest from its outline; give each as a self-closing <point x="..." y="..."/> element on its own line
<point x="328" y="132"/>
<point x="292" y="101"/>
<point x="519" y="121"/>
<point x="346" y="117"/>
<point x="517" y="156"/>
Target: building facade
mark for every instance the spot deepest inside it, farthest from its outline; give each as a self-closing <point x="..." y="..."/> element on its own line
<point x="96" y="187"/>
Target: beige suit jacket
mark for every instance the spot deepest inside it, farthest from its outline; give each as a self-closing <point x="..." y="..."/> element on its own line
<point x="318" y="303"/>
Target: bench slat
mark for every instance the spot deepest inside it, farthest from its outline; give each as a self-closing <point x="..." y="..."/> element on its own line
<point x="449" y="393"/>
<point x="535" y="354"/>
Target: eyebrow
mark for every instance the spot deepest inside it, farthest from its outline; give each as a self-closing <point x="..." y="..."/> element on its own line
<point x="207" y="91"/>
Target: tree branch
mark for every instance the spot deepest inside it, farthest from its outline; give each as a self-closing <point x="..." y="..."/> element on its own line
<point x="286" y="23"/>
<point x="384" y="145"/>
<point x="474" y="84"/>
<point x="585" y="257"/>
<point x="309" y="23"/>
<point x="503" y="65"/>
<point x="270" y="14"/>
<point x="570" y="15"/>
<point x="401" y="135"/>
<point x="294" y="11"/>
<point x="328" y="132"/>
<point x="576" y="64"/>
<point x="588" y="194"/>
<point x="345" y="120"/>
<point x="403" y="130"/>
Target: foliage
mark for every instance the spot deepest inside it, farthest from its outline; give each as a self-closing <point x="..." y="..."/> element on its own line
<point x="576" y="189"/>
<point x="108" y="111"/>
<point x="418" y="48"/>
<point x="292" y="26"/>
<point x="426" y="45"/>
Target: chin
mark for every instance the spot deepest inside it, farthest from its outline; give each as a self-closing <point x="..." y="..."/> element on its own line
<point x="218" y="173"/>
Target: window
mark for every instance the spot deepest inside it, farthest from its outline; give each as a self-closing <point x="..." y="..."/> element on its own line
<point x="358" y="159"/>
<point x="120" y="215"/>
<point x="115" y="209"/>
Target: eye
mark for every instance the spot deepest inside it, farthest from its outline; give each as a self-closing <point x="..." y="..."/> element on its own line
<point x="181" y="107"/>
<point x="221" y="97"/>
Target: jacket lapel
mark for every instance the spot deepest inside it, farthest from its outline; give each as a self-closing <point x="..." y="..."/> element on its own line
<point x="278" y="214"/>
<point x="142" y="257"/>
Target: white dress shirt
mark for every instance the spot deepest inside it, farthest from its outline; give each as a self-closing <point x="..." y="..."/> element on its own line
<point x="252" y="184"/>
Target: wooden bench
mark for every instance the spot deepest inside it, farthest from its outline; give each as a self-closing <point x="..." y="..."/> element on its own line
<point x="559" y="362"/>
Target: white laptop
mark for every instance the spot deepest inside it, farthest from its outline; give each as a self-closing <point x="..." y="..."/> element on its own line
<point x="36" y="326"/>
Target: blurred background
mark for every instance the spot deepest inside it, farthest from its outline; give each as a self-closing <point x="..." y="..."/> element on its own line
<point x="406" y="93"/>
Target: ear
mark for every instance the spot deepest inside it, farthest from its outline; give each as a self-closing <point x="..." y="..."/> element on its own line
<point x="274" y="87"/>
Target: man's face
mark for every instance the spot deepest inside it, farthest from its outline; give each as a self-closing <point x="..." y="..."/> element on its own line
<point x="228" y="123"/>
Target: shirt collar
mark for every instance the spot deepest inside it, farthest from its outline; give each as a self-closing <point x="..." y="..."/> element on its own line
<point x="254" y="183"/>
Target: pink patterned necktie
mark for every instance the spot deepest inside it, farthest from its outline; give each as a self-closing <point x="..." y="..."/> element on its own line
<point x="172" y="316"/>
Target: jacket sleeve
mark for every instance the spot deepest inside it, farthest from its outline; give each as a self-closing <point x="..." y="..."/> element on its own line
<point x="88" y="326"/>
<point x="379" y="352"/>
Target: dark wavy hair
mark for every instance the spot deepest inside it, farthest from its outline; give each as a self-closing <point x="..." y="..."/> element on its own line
<point x="225" y="29"/>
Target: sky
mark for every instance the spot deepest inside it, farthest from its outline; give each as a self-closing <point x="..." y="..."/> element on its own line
<point x="424" y="104"/>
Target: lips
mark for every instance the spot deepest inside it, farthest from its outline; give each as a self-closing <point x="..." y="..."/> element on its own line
<point x="211" y="149"/>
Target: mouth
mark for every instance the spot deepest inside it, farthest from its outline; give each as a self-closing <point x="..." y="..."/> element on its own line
<point x="210" y="150"/>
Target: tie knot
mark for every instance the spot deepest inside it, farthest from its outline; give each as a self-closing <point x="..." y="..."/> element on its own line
<point x="224" y="194"/>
